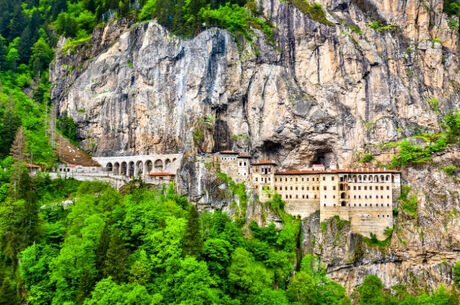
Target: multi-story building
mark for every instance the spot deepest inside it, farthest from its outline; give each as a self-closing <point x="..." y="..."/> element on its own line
<point x="364" y="196"/>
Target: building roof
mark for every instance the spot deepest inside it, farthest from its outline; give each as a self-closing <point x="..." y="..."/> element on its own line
<point x="29" y="165"/>
<point x="339" y="171"/>
<point x="264" y="162"/>
<point x="161" y="174"/>
<point x="229" y="152"/>
<point x="244" y="156"/>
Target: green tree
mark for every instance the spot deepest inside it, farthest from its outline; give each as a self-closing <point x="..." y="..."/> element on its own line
<point x="8" y="128"/>
<point x="246" y="276"/>
<point x="42" y="55"/>
<point x="107" y="292"/>
<point x="193" y="242"/>
<point x="371" y="291"/>
<point x="85" y="287"/>
<point x="8" y="292"/>
<point x="116" y="259"/>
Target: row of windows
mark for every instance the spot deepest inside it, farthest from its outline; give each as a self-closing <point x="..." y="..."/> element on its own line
<point x="359" y="178"/>
<point x="297" y="196"/>
<point x="297" y="188"/>
<point x="262" y="179"/>
<point x="361" y="205"/>
<point x="280" y="179"/>
<point x="243" y="163"/>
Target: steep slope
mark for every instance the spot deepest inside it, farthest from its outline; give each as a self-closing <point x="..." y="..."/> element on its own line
<point x="321" y="93"/>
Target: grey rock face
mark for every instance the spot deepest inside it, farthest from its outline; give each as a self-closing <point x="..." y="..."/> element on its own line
<point x="323" y="94"/>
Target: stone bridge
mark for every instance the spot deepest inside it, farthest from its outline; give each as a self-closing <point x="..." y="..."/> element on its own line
<point x="140" y="166"/>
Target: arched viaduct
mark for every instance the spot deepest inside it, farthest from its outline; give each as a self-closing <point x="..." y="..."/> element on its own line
<point x="140" y="166"/>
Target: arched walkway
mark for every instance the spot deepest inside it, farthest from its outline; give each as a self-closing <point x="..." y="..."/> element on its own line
<point x="139" y="168"/>
<point x="158" y="165"/>
<point x="131" y="169"/>
<point x="124" y="168"/>
<point x="109" y="167"/>
<point x="116" y="168"/>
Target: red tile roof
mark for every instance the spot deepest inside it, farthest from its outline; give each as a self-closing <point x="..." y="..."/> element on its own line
<point x="264" y="162"/>
<point x="32" y="165"/>
<point x="161" y="174"/>
<point x="339" y="171"/>
<point x="229" y="152"/>
<point x="244" y="156"/>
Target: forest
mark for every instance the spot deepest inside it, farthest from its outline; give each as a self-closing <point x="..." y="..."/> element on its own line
<point x="67" y="242"/>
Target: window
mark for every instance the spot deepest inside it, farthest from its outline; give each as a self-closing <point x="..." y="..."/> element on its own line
<point x="365" y="188"/>
<point x="302" y="178"/>
<point x="354" y="188"/>
<point x="303" y="196"/>
<point x="308" y="179"/>
<point x="308" y="188"/>
<point x="333" y="188"/>
<point x="256" y="179"/>
<point x="291" y="188"/>
<point x="296" y="179"/>
<point x="296" y="188"/>
<point x="381" y="188"/>
<point x="303" y="188"/>
<point x="324" y="204"/>
<point x="388" y="188"/>
<point x="370" y="188"/>
<point x="325" y="196"/>
<point x="276" y="188"/>
<point x="286" y="196"/>
<point x="315" y="196"/>
<point x="360" y="204"/>
<point x="324" y="178"/>
<point x="332" y="178"/>
<point x="359" y="188"/>
<point x="388" y="196"/>
<point x="354" y="196"/>
<point x="370" y="196"/>
<point x="370" y="205"/>
<point x="365" y="196"/>
<point x="275" y="179"/>
<point x="307" y="196"/>
<point x="325" y="187"/>
<point x="296" y="196"/>
<point x="388" y="204"/>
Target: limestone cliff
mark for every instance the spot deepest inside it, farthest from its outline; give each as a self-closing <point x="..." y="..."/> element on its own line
<point x="321" y="93"/>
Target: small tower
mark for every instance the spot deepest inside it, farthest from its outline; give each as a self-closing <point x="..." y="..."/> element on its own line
<point x="243" y="167"/>
<point x="263" y="178"/>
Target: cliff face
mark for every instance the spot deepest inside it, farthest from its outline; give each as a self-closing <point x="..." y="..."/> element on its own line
<point x="320" y="94"/>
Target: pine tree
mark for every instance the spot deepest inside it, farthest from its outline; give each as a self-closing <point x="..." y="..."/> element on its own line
<point x="193" y="243"/>
<point x="101" y="250"/>
<point x="116" y="259"/>
<point x="18" y="149"/>
<point x="85" y="287"/>
<point x="7" y="292"/>
<point x="18" y="22"/>
<point x="8" y="128"/>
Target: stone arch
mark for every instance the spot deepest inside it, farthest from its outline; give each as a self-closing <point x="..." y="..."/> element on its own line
<point x="131" y="169"/>
<point x="158" y="165"/>
<point x="342" y="195"/>
<point x="109" y="167"/>
<point x="124" y="169"/>
<point x="364" y="177"/>
<point x="148" y="167"/>
<point x="116" y="168"/>
<point x="387" y="178"/>
<point x="376" y="178"/>
<point x="342" y="203"/>
<point x="370" y="178"/>
<point x="167" y="163"/>
<point x="174" y="159"/>
<point x="139" y="168"/>
<point x="359" y="178"/>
